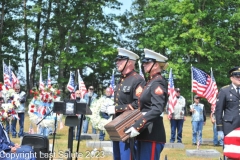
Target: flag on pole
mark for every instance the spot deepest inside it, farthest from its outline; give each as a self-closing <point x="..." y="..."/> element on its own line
<point x="10" y="75"/>
<point x="71" y="84"/>
<point x="112" y="83"/>
<point x="140" y="69"/>
<point x="41" y="84"/>
<point x="212" y="99"/>
<point x="172" y="99"/>
<point x="15" y="80"/>
<point x="82" y="87"/>
<point x="49" y="79"/>
<point x="203" y="85"/>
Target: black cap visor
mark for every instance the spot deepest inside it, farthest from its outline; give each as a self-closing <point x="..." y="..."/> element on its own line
<point x="147" y="60"/>
<point x="235" y="74"/>
<point x="119" y="57"/>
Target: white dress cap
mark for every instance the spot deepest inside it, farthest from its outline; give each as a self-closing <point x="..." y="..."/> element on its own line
<point x="154" y="55"/>
<point x="127" y="53"/>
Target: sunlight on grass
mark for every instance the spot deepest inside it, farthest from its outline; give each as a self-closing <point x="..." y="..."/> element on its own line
<point x="61" y="142"/>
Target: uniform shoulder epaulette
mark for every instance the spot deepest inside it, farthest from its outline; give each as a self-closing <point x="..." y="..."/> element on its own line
<point x="225" y="86"/>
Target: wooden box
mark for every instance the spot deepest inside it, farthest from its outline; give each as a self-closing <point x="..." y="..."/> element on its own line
<point x="116" y="128"/>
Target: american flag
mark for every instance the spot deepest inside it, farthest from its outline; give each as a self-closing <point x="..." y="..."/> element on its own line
<point x="212" y="100"/>
<point x="232" y="144"/>
<point x="73" y="96"/>
<point x="41" y="84"/>
<point x="71" y="84"/>
<point x="15" y="80"/>
<point x="112" y="83"/>
<point x="10" y="75"/>
<point x="203" y="85"/>
<point x="49" y="78"/>
<point x="140" y="69"/>
<point x="6" y="75"/>
<point x="82" y="87"/>
<point x="172" y="99"/>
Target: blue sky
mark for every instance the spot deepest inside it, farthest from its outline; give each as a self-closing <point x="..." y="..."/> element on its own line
<point x="126" y="6"/>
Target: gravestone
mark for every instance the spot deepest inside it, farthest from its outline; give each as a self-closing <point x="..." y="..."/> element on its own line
<point x="174" y="145"/>
<point x="85" y="136"/>
<point x="98" y="144"/>
<point x="207" y="141"/>
<point x="206" y="153"/>
<point x="108" y="150"/>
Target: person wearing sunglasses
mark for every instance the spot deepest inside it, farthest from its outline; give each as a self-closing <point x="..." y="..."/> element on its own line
<point x="177" y="117"/>
<point x="8" y="149"/>
<point x="198" y="120"/>
<point x="21" y="96"/>
<point x="90" y="96"/>
<point x="126" y="94"/>
<point x="149" y="130"/>
<point x="227" y="112"/>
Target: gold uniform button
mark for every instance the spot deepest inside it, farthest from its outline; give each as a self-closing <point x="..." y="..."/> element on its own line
<point x="121" y="108"/>
<point x="140" y="124"/>
<point x="116" y="109"/>
<point x="143" y="121"/>
<point x="126" y="108"/>
<point x="137" y="128"/>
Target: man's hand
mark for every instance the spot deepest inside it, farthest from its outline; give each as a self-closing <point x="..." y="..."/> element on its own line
<point x="17" y="145"/>
<point x="110" y="110"/>
<point x="13" y="149"/>
<point x="133" y="132"/>
<point x="169" y="116"/>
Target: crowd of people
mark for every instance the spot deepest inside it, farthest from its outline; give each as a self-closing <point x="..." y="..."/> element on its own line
<point x="150" y="97"/>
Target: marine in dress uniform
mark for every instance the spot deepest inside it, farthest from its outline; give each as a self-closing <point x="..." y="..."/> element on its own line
<point x="227" y="109"/>
<point x="126" y="94"/>
<point x="150" y="129"/>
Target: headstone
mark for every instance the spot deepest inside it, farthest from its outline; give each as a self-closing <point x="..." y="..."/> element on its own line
<point x="207" y="141"/>
<point x="174" y="145"/>
<point x="108" y="150"/>
<point x="85" y="136"/>
<point x="206" y="153"/>
<point x="98" y="144"/>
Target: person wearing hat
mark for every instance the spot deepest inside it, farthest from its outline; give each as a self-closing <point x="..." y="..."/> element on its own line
<point x="178" y="117"/>
<point x="149" y="130"/>
<point x="90" y="96"/>
<point x="227" y="109"/>
<point x="198" y="120"/>
<point x="126" y="94"/>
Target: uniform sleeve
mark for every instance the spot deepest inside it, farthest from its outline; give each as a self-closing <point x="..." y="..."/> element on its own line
<point x="4" y="145"/>
<point x="221" y="102"/>
<point x="137" y="90"/>
<point x="158" y="100"/>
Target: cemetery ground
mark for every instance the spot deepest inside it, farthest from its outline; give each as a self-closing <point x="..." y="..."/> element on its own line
<point x="61" y="143"/>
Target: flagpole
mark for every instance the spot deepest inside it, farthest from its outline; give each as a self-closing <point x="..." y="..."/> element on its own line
<point x="9" y="71"/>
<point x="192" y="83"/>
<point x="3" y="70"/>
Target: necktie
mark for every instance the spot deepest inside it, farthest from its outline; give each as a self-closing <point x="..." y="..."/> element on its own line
<point x="238" y="90"/>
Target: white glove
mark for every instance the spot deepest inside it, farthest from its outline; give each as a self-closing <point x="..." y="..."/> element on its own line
<point x="220" y="134"/>
<point x="103" y="108"/>
<point x="110" y="110"/>
<point x="133" y="131"/>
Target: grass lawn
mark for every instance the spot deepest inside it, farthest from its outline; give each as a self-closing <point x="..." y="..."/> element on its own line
<point x="61" y="142"/>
